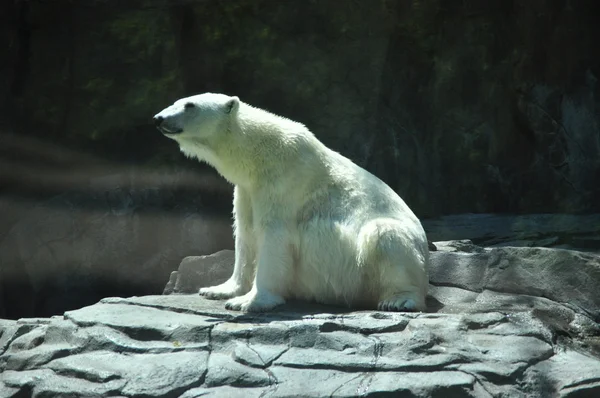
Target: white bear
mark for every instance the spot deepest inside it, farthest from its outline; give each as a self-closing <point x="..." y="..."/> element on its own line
<point x="309" y="223"/>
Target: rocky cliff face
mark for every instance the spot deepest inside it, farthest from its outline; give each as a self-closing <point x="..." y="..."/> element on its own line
<point x="505" y="322"/>
<point x="491" y="105"/>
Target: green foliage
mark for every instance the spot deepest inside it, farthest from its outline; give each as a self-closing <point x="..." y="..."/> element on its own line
<point x="422" y="93"/>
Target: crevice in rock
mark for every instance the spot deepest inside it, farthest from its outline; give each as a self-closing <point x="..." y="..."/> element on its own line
<point x="273" y="380"/>
<point x="582" y="383"/>
<point x="454" y="285"/>
<point x="278" y="356"/>
<point x="365" y="383"/>
<point x="377" y="351"/>
<point x="25" y="391"/>
<point x="21" y="331"/>
<point x="264" y="364"/>
<point x="477" y="381"/>
<point x="328" y="327"/>
<point x="519" y="375"/>
<point x="492" y="377"/>
<point x="177" y="392"/>
<point x="83" y="375"/>
<point x="217" y="316"/>
<point x="372" y="367"/>
<point x="209" y="344"/>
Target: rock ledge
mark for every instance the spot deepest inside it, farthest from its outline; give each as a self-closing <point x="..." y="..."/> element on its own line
<point x="504" y="322"/>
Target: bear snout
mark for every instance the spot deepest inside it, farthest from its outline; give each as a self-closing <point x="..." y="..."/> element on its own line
<point x="158" y="120"/>
<point x="164" y="127"/>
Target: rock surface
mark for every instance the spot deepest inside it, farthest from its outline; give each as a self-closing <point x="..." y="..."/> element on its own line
<point x="570" y="231"/>
<point x="200" y="271"/>
<point x="496" y="327"/>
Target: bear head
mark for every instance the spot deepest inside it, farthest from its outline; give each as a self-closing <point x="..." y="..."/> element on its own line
<point x="198" y="117"/>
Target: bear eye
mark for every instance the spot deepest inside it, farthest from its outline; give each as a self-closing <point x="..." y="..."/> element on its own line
<point x="189" y="105"/>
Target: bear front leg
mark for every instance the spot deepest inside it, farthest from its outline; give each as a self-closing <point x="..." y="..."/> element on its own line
<point x="240" y="281"/>
<point x="274" y="269"/>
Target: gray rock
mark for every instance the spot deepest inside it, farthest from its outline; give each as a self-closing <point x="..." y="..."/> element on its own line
<point x="335" y="383"/>
<point x="226" y="391"/>
<point x="560" y="275"/>
<point x="496" y="327"/>
<point x="8" y="329"/>
<point x="152" y="375"/>
<point x="257" y="355"/>
<point x="571" y="373"/>
<point x="458" y="246"/>
<point x="225" y="371"/>
<point x="45" y="383"/>
<point x="214" y="269"/>
<point x="542" y="230"/>
<point x="540" y="272"/>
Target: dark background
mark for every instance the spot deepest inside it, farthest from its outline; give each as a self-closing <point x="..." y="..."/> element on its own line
<point x="460" y="106"/>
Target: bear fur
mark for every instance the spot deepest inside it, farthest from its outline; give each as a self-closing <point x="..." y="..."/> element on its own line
<point x="309" y="224"/>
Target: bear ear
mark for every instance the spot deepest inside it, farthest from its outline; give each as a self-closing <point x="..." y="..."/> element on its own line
<point x="232" y="105"/>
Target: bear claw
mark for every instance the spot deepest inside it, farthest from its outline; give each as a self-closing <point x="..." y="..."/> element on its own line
<point x="398" y="305"/>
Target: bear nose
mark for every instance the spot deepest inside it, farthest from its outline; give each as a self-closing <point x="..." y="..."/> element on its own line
<point x="158" y="120"/>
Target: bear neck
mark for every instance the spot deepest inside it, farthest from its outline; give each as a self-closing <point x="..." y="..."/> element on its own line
<point x="260" y="147"/>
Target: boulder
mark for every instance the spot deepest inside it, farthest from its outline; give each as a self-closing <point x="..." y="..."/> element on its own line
<point x="495" y="326"/>
<point x="200" y="271"/>
<point x="563" y="276"/>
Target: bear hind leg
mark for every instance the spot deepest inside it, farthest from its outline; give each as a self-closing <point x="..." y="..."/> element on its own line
<point x="401" y="269"/>
<point x="403" y="285"/>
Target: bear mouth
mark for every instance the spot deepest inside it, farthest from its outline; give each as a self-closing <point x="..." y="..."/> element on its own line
<point x="167" y="131"/>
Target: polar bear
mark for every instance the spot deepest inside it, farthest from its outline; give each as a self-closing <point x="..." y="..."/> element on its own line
<point x="309" y="224"/>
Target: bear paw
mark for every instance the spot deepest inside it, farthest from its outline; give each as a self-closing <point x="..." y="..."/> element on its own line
<point x="223" y="291"/>
<point x="254" y="302"/>
<point x="400" y="303"/>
